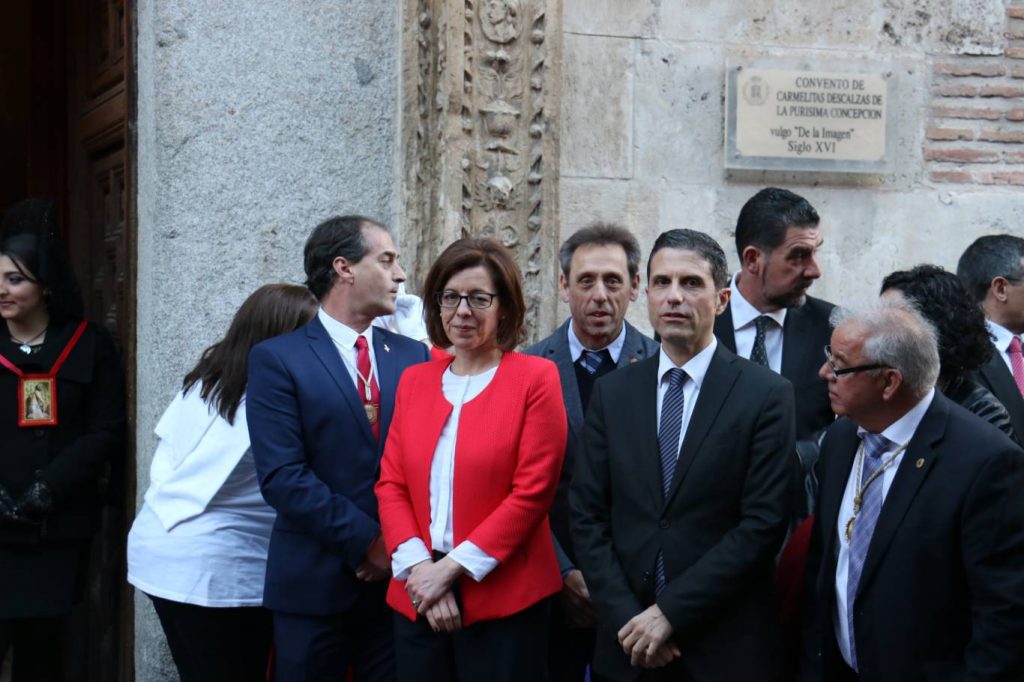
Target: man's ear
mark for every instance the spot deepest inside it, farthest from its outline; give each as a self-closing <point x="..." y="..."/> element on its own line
<point x="893" y="381"/>
<point x="750" y="260"/>
<point x="563" y="287"/>
<point x="635" y="293"/>
<point x="998" y="288"/>
<point x="343" y="269"/>
<point x="723" y="300"/>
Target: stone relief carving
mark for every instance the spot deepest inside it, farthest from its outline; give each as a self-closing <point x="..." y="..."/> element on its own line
<point x="500" y="20"/>
<point x="482" y="144"/>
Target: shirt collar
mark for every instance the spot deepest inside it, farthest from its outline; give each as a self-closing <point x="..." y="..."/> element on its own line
<point x="696" y="367"/>
<point x="614" y="348"/>
<point x="743" y="313"/>
<point x="903" y="429"/>
<point x="343" y="335"/>
<point x="1001" y="336"/>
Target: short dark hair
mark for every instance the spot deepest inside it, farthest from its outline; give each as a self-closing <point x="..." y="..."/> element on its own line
<point x="508" y="284"/>
<point x="271" y="310"/>
<point x="991" y="256"/>
<point x="701" y="244"/>
<point x="30" y="240"/>
<point x="340" y="236"/>
<point x="943" y="300"/>
<point x="767" y="215"/>
<point x="600" y="234"/>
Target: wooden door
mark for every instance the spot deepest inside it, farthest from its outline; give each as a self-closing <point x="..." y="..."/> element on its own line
<point x="99" y="227"/>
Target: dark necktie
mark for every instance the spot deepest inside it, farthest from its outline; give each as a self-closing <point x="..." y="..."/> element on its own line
<point x="668" y="448"/>
<point x="864" y="526"/>
<point x="593" y="360"/>
<point x="370" y="396"/>
<point x="758" y="354"/>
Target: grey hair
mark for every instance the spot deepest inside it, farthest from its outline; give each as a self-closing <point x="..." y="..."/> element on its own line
<point x="897" y="336"/>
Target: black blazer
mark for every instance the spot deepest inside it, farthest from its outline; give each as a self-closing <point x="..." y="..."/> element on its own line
<point x="556" y="348"/>
<point x="806" y="332"/>
<point x="941" y="595"/>
<point x="996" y="377"/>
<point x="719" y="530"/>
<point x="74" y="457"/>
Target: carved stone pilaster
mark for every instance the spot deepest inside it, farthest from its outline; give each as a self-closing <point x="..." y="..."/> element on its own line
<point x="480" y="134"/>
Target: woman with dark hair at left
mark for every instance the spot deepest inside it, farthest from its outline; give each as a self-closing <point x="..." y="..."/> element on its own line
<point x="198" y="548"/>
<point x="61" y="425"/>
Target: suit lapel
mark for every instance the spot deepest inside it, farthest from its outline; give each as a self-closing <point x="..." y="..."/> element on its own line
<point x="794" y="346"/>
<point x="323" y="347"/>
<point x="724" y="329"/>
<point x="562" y="357"/>
<point x="642" y="408"/>
<point x="843" y="450"/>
<point x="633" y="349"/>
<point x="721" y="375"/>
<point x="914" y="467"/>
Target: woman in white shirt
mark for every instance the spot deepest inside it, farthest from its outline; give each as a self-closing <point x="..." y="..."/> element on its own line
<point x="198" y="547"/>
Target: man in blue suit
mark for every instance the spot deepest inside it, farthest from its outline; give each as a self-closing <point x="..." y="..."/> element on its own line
<point x="319" y="402"/>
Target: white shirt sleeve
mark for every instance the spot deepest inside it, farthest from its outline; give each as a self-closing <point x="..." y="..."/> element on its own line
<point x="477" y="562"/>
<point x="407" y="555"/>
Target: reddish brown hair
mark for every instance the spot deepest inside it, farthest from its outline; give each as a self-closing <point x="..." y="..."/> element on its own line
<point x="508" y="284"/>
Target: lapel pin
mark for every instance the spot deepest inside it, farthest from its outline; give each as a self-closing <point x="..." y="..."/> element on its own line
<point x="919" y="463"/>
<point x="386" y="349"/>
<point x="632" y="359"/>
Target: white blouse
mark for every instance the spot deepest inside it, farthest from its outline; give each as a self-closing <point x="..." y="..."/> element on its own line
<point x="458" y="390"/>
<point x="203" y="533"/>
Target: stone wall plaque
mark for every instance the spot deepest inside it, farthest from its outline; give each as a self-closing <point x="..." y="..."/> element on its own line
<point x="788" y="116"/>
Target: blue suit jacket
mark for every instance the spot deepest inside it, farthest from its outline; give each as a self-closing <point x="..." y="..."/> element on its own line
<point x="317" y="462"/>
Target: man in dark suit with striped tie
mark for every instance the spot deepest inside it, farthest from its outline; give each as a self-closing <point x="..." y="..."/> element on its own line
<point x="600" y="277"/>
<point x="916" y="568"/>
<point x="682" y="491"/>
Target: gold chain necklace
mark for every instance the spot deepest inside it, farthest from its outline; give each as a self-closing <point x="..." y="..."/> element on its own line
<point x="858" y="498"/>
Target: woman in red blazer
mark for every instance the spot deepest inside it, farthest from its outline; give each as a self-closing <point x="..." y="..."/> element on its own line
<point x="469" y="472"/>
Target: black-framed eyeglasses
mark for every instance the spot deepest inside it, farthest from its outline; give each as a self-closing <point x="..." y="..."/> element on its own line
<point x="478" y="300"/>
<point x="836" y="372"/>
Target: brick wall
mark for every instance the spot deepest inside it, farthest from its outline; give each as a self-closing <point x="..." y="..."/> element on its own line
<point x="975" y="132"/>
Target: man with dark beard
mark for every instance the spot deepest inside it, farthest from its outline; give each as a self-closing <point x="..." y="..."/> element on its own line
<point x="770" y="319"/>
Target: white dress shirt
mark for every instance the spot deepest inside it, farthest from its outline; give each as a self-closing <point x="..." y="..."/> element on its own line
<point x="1001" y="337"/>
<point x="614" y="348"/>
<point x="344" y="338"/>
<point x="458" y="390"/>
<point x="696" y="369"/>
<point x="899" y="434"/>
<point x="743" y="317"/>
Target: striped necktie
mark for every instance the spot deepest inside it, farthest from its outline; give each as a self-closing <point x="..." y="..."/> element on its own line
<point x="864" y="526"/>
<point x="668" y="448"/>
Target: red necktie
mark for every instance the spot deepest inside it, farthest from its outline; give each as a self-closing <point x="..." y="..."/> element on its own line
<point x="1017" y="363"/>
<point x="371" y="397"/>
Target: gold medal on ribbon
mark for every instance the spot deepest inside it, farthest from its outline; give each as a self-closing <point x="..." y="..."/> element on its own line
<point x="371" y="413"/>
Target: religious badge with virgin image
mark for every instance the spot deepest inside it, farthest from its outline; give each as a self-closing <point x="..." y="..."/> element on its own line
<point x="37" y="400"/>
<point x="37" y="393"/>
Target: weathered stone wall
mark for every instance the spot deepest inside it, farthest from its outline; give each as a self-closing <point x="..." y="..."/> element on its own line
<point x="255" y="121"/>
<point x="642" y="125"/>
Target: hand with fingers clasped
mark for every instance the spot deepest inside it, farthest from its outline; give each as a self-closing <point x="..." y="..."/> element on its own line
<point x="429" y="581"/>
<point x="444" y="616"/>
<point x="646" y="639"/>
